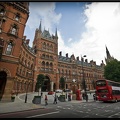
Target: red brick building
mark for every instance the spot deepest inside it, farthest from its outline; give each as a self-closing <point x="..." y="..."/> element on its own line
<point x="20" y="64"/>
<point x="13" y="17"/>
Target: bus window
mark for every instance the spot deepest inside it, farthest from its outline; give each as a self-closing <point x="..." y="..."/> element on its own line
<point x="101" y="83"/>
<point x="115" y="92"/>
<point x="102" y="91"/>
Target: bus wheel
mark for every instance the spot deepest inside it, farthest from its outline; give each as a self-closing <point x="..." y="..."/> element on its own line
<point x="116" y="100"/>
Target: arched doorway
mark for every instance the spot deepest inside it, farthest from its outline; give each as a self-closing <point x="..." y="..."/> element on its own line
<point x="66" y="86"/>
<point x="46" y="85"/>
<point x="3" y="78"/>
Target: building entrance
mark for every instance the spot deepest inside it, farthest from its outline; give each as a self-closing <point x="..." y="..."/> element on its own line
<point x="46" y="85"/>
<point x="3" y="78"/>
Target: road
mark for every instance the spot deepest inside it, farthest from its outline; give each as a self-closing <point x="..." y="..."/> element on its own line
<point x="71" y="110"/>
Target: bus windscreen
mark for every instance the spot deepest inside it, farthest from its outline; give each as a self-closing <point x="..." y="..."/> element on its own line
<point x="101" y="83"/>
<point x="102" y="91"/>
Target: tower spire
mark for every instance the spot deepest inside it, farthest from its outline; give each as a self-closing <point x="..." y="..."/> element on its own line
<point x="40" y="26"/>
<point x="56" y="33"/>
<point x="107" y="53"/>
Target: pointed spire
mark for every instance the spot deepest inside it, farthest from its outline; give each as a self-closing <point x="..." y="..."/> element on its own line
<point x="40" y="26"/>
<point x="56" y="33"/>
<point x="107" y="52"/>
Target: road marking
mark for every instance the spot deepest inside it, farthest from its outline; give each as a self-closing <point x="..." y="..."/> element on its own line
<point x="42" y="114"/>
<point x="114" y="115"/>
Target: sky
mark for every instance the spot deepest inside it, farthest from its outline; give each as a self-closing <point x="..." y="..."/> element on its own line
<point x="83" y="28"/>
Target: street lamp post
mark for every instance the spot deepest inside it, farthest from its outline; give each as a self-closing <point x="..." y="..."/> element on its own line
<point x="27" y="85"/>
<point x="17" y="89"/>
<point x="74" y="81"/>
<point x="26" y="91"/>
<point x="84" y="84"/>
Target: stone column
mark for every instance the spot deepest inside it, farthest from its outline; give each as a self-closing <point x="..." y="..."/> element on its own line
<point x="51" y="85"/>
<point x="33" y="87"/>
<point x="78" y="86"/>
<point x="57" y="79"/>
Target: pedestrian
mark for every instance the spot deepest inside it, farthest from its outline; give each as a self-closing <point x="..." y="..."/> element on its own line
<point x="94" y="97"/>
<point x="86" y="97"/>
<point x="41" y="94"/>
<point x="69" y="97"/>
<point x="55" y="99"/>
<point x="46" y="100"/>
<point x="83" y="95"/>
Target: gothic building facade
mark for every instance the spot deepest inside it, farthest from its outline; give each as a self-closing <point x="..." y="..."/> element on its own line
<point x="20" y="64"/>
<point x="13" y="18"/>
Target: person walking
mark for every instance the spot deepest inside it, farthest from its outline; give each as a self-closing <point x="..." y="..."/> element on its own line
<point x="83" y="95"/>
<point x="55" y="99"/>
<point x="94" y="97"/>
<point x="86" y="97"/>
<point x="41" y="94"/>
<point x="46" y="100"/>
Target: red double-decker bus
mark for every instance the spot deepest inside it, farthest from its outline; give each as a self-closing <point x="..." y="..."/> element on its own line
<point x="107" y="90"/>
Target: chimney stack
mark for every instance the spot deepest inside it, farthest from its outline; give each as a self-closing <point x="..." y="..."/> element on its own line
<point x="67" y="55"/>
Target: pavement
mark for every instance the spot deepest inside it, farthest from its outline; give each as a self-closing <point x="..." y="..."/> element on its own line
<point x="20" y="105"/>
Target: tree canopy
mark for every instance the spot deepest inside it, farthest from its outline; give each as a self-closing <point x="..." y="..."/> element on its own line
<point x="40" y="81"/>
<point x="112" y="70"/>
<point x="62" y="82"/>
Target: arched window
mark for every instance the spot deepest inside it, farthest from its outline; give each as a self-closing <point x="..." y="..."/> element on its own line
<point x="2" y="10"/>
<point x="31" y="66"/>
<point x="47" y="46"/>
<point x="51" y="57"/>
<point x="51" y="65"/>
<point x="47" y="64"/>
<point x="51" y="47"/>
<point x="0" y="30"/>
<point x="17" y="17"/>
<point x="14" y="30"/>
<point x="43" y="55"/>
<point x="28" y="64"/>
<point x="47" y="56"/>
<point x="44" y="45"/>
<point x="9" y="48"/>
<point x="25" y="62"/>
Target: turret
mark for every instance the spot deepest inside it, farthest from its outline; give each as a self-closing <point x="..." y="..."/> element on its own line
<point x="56" y="36"/>
<point x="40" y="29"/>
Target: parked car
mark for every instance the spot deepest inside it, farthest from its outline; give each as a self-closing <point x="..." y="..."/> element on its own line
<point x="50" y="93"/>
<point x="67" y="90"/>
<point x="58" y="91"/>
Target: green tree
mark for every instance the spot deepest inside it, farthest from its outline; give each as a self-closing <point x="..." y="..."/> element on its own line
<point x="62" y="83"/>
<point x="40" y="82"/>
<point x="112" y="70"/>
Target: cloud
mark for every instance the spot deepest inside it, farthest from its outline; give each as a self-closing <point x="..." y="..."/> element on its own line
<point x="44" y="11"/>
<point x="69" y="40"/>
<point x="102" y="28"/>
